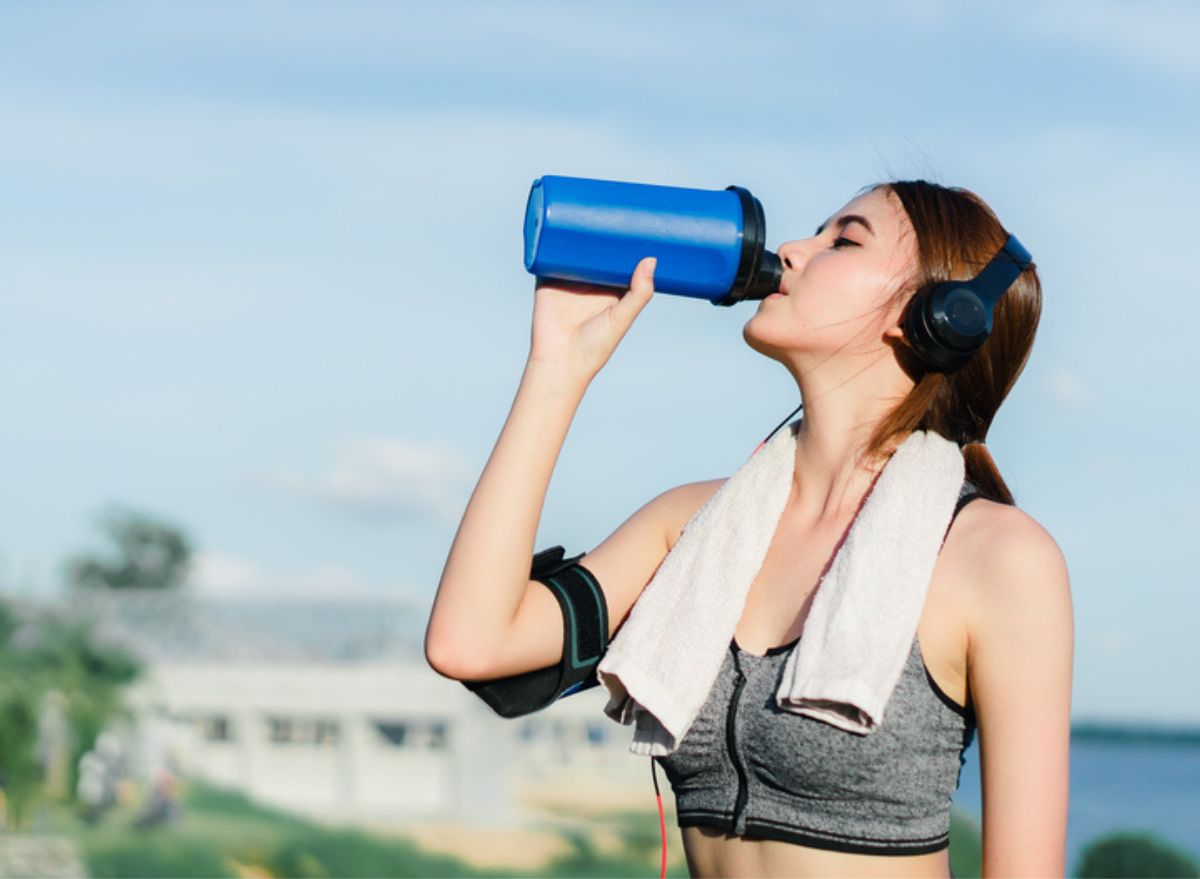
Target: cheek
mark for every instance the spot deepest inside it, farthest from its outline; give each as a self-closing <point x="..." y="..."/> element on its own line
<point x="826" y="318"/>
<point x="860" y="298"/>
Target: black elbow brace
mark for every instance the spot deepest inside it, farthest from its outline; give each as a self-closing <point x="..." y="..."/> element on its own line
<point x="585" y="638"/>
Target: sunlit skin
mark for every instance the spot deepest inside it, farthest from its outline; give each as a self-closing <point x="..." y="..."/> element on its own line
<point x="996" y="630"/>
<point x="833" y="330"/>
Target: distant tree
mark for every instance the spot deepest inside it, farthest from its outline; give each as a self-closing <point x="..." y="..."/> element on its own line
<point x="20" y="695"/>
<point x="43" y="652"/>
<point x="91" y="673"/>
<point x="1134" y="853"/>
<point x="149" y="554"/>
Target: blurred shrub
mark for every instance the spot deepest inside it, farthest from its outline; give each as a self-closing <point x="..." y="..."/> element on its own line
<point x="585" y="860"/>
<point x="641" y="837"/>
<point x="149" y="856"/>
<point x="317" y="853"/>
<point x="45" y="651"/>
<point x="1133" y="853"/>
<point x="966" y="846"/>
<point x="204" y="798"/>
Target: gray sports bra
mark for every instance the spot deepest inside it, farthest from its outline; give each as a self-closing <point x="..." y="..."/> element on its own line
<point x="752" y="769"/>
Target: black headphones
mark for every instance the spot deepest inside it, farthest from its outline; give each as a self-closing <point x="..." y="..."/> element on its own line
<point x="947" y="322"/>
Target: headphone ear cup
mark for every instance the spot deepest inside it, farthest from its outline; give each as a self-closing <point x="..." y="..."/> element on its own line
<point x="945" y="324"/>
<point x="915" y="323"/>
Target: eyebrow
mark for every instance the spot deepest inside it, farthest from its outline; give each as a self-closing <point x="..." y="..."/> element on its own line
<point x="845" y="221"/>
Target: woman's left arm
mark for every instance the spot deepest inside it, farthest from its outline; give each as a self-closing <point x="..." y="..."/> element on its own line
<point x="1019" y="666"/>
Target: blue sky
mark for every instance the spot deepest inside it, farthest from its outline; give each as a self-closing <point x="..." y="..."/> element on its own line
<point x="261" y="271"/>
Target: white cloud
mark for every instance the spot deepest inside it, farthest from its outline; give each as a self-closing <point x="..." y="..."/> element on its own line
<point x="389" y="478"/>
<point x="1066" y="387"/>
<point x="222" y="575"/>
<point x="225" y="575"/>
<point x="394" y="477"/>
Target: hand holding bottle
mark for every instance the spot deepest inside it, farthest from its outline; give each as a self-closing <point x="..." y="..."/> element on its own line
<point x="577" y="326"/>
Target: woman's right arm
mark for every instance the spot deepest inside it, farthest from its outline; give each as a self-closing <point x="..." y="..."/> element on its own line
<point x="486" y="577"/>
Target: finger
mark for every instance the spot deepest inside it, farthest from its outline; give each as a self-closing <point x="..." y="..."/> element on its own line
<point x="641" y="290"/>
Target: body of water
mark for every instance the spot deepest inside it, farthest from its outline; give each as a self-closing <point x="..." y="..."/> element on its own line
<point x="1118" y="784"/>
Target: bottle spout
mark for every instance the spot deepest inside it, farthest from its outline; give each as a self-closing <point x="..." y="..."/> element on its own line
<point x="760" y="270"/>
<point x="767" y="279"/>
<point x="763" y="281"/>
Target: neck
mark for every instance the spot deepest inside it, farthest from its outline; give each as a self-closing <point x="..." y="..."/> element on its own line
<point x="840" y="414"/>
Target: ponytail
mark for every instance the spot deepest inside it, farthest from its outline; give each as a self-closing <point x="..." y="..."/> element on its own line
<point x="984" y="474"/>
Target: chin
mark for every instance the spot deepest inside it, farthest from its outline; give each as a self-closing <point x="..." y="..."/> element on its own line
<point x="759" y="338"/>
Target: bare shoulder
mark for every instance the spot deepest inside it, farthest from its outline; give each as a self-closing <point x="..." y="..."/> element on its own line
<point x="1015" y="572"/>
<point x="681" y="503"/>
<point x="1020" y="661"/>
<point x="1008" y="552"/>
<point x="627" y="559"/>
<point x="1007" y="556"/>
<point x="632" y="552"/>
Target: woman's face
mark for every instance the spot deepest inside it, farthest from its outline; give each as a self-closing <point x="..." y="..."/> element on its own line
<point x="838" y="287"/>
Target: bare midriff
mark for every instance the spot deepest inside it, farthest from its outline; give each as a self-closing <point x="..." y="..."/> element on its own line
<point x="712" y="852"/>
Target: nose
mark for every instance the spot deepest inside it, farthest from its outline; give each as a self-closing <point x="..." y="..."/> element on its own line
<point x="793" y="254"/>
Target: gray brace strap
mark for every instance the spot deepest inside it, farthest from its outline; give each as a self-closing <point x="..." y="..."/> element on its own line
<point x="585" y="638"/>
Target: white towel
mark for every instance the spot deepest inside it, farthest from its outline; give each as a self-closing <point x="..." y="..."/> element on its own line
<point x="659" y="669"/>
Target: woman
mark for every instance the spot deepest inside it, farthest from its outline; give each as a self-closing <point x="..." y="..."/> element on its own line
<point x="996" y="633"/>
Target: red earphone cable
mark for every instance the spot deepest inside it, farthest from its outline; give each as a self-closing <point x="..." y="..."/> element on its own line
<point x="662" y="819"/>
<point x="772" y="433"/>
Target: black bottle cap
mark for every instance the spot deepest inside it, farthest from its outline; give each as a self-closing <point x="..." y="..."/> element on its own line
<point x="759" y="271"/>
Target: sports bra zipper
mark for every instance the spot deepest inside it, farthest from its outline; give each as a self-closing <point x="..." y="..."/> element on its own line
<point x="731" y="743"/>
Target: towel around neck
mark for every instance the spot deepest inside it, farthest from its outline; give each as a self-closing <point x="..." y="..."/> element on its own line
<point x="660" y="667"/>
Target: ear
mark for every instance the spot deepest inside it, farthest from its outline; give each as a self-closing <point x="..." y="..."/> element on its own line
<point x="894" y="333"/>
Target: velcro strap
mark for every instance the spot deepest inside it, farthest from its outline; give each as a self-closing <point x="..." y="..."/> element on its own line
<point x="585" y="638"/>
<point x="585" y="615"/>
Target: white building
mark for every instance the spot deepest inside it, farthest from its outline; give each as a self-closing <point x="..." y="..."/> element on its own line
<point x="331" y="710"/>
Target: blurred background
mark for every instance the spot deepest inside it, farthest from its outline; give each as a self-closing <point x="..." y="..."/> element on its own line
<point x="264" y="313"/>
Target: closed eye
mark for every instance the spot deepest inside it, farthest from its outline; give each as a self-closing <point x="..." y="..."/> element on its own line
<point x="842" y="241"/>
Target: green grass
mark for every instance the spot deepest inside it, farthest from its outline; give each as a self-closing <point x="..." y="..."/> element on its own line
<point x="155" y="855"/>
<point x="966" y="846"/>
<point x="221" y="829"/>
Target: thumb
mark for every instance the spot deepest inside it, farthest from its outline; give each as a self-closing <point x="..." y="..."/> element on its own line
<point x="641" y="290"/>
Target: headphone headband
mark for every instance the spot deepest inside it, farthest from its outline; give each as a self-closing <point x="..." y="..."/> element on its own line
<point x="999" y="274"/>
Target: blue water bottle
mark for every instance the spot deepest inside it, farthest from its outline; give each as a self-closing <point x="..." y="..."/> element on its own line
<point x="710" y="244"/>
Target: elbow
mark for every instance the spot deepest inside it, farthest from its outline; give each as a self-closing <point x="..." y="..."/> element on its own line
<point x="441" y="658"/>
<point x="437" y="659"/>
<point x="454" y="661"/>
<point x="442" y="653"/>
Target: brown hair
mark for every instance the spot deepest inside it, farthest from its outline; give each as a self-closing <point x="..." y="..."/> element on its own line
<point x="957" y="234"/>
